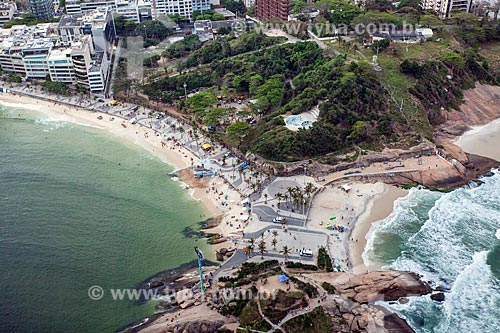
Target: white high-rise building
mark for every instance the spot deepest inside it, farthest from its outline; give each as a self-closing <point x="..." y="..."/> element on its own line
<point x="139" y="10"/>
<point x="445" y="8"/>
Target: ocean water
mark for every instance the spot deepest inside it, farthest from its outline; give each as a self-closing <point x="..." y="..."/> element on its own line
<point x="78" y="208"/>
<point x="453" y="241"/>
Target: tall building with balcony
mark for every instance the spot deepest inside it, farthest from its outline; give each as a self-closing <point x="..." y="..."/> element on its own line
<point x="42" y="9"/>
<point x="445" y="8"/>
<point x="270" y="9"/>
<point x="7" y="11"/>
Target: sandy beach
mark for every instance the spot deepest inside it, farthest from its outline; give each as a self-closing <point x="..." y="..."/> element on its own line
<point x="482" y="140"/>
<point x="146" y="138"/>
<point x="379" y="207"/>
<point x="355" y="210"/>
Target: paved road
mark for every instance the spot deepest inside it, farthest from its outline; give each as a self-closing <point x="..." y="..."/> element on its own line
<point x="257" y="234"/>
<point x="267" y="214"/>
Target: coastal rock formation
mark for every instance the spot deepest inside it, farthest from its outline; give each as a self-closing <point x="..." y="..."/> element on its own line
<point x="379" y="285"/>
<point x="352" y="309"/>
<point x="197" y="326"/>
<point x="364" y="318"/>
<point x="438" y="297"/>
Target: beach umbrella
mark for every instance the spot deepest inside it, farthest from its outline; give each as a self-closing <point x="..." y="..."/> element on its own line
<point x="282" y="278"/>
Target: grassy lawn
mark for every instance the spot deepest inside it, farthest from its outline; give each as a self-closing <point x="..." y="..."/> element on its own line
<point x="492" y="53"/>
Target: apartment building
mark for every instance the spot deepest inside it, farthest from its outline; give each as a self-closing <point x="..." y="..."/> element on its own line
<point x="182" y="8"/>
<point x="98" y="73"/>
<point x="35" y="54"/>
<point x="139" y="10"/>
<point x="100" y="25"/>
<point x="445" y="8"/>
<point x="60" y="66"/>
<point x="270" y="9"/>
<point x="74" y="51"/>
<point x="7" y="11"/>
<point x="42" y="9"/>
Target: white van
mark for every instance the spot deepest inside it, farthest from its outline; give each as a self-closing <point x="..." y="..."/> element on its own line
<point x="306" y="253"/>
<point x="133" y="121"/>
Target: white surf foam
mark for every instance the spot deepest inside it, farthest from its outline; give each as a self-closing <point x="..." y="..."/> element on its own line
<point x="471" y="306"/>
<point x="402" y="214"/>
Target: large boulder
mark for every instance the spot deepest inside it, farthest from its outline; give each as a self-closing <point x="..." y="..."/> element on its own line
<point x="380" y="285"/>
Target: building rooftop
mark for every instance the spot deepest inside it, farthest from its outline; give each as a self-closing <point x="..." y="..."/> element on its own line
<point x="96" y="64"/>
<point x="69" y="21"/>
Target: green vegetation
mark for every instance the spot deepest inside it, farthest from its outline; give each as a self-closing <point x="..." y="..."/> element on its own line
<point x="27" y="19"/>
<point x="328" y="287"/>
<point x="306" y="287"/>
<point x="153" y="32"/>
<point x="441" y="82"/>
<point x="324" y="260"/>
<point x="316" y="321"/>
<point x="201" y="100"/>
<point x="235" y="6"/>
<point x="359" y="107"/>
<point x="13" y="78"/>
<point x="56" y="87"/>
<point x="250" y="272"/>
<point x="183" y="47"/>
<point x="236" y="306"/>
<point x="226" y="47"/>
<point x="251" y="318"/>
<point x="299" y="265"/>
<point x="275" y="309"/>
<point x="208" y="15"/>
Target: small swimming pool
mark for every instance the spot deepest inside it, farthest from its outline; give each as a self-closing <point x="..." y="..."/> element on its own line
<point x="298" y="121"/>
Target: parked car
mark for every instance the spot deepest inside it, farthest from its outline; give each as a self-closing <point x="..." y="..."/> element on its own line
<point x="279" y="219"/>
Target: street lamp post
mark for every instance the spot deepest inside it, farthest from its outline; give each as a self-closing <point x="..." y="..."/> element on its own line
<point x="185" y="91"/>
<point x="304" y="199"/>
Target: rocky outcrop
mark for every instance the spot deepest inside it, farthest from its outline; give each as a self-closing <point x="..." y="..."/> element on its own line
<point x="365" y="318"/>
<point x="198" y="326"/>
<point x="352" y="308"/>
<point x="438" y="297"/>
<point x="379" y="285"/>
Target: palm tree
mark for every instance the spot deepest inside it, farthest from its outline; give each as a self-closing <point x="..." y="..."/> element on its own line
<point x="274" y="241"/>
<point x="285" y="197"/>
<point x="275" y="233"/>
<point x="251" y="245"/>
<point x="290" y="192"/>
<point x="285" y="252"/>
<point x="262" y="248"/>
<point x="278" y="196"/>
<point x="309" y="189"/>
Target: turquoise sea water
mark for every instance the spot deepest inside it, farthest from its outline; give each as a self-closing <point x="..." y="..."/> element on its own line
<point x="78" y="208"/>
<point x="451" y="239"/>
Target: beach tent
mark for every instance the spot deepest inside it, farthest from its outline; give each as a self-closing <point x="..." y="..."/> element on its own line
<point x="282" y="278"/>
<point x="244" y="217"/>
